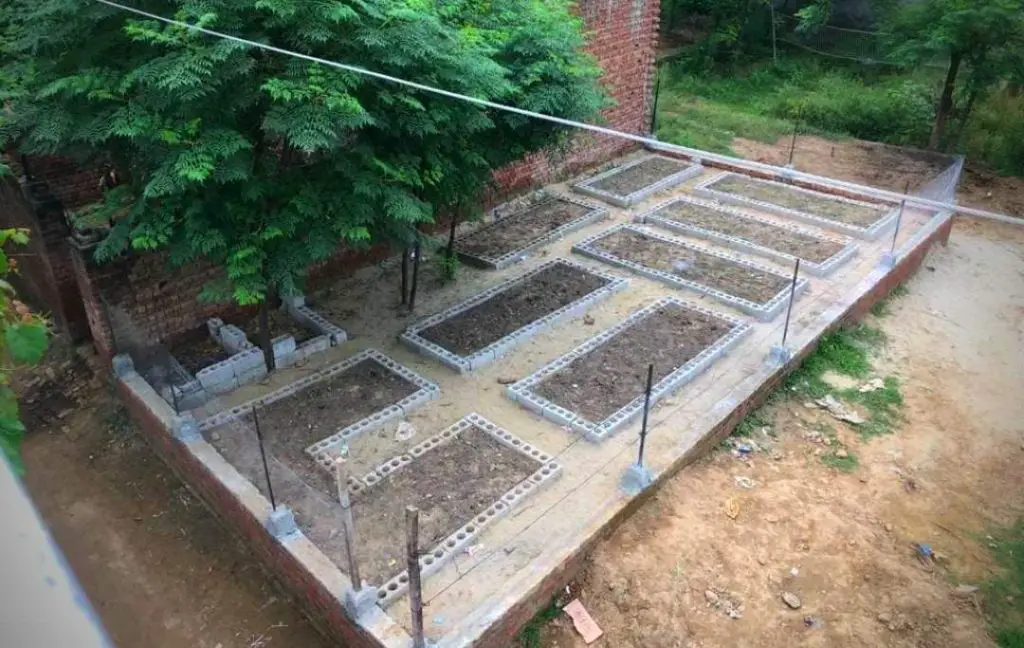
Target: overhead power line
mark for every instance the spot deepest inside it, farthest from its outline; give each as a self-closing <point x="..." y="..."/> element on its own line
<point x="601" y="130"/>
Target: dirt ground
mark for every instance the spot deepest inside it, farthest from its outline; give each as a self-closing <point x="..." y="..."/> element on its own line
<point x="842" y="542"/>
<point x="162" y="572"/>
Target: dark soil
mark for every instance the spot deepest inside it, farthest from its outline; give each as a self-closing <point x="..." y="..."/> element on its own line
<point x="281" y="323"/>
<point x="520" y="230"/>
<point x="802" y="246"/>
<point x="295" y="422"/>
<point x="509" y="311"/>
<point x="198" y="350"/>
<point x="819" y="205"/>
<point x="603" y="381"/>
<point x="693" y="265"/>
<point x="642" y="175"/>
<point x="449" y="484"/>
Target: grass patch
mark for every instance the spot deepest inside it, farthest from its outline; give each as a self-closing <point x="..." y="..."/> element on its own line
<point x="752" y="423"/>
<point x="884" y="405"/>
<point x="845" y="464"/>
<point x="1004" y="595"/>
<point x="884" y="306"/>
<point x="529" y="636"/>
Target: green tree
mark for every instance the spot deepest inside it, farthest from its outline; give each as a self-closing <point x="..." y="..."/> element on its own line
<point x="983" y="40"/>
<point x="263" y="163"/>
<point x="23" y="341"/>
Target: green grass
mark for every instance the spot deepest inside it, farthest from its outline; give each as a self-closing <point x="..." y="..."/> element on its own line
<point x="884" y="405"/>
<point x="529" y="636"/>
<point x="753" y="422"/>
<point x="846" y="464"/>
<point x="1004" y="595"/>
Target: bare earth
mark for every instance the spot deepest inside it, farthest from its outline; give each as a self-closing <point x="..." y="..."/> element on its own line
<point x="162" y="572"/>
<point x="842" y="542"/>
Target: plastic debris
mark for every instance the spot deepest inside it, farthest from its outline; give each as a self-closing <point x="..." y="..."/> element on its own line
<point x="744" y="482"/>
<point x="405" y="431"/>
<point x="840" y="411"/>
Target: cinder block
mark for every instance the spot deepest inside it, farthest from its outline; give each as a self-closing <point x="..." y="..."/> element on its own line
<point x="233" y="339"/>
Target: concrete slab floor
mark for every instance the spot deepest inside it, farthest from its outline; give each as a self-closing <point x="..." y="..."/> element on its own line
<point x="512" y="556"/>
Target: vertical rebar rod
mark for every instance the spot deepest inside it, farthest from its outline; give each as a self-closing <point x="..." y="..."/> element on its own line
<point x="348" y="530"/>
<point x="792" y="298"/>
<point x="415" y="274"/>
<point x="412" y="556"/>
<point x="792" y="144"/>
<point x="899" y="219"/>
<point x="263" y="456"/>
<point x="405" y="275"/>
<point x="647" y="407"/>
<point x="174" y="395"/>
<point x="657" y="92"/>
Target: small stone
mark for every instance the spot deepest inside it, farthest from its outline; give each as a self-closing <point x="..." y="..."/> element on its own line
<point x="776" y="455"/>
<point x="588" y="320"/>
<point x="762" y="560"/>
<point x="506" y="380"/>
<point x="888" y="528"/>
<point x="965" y="590"/>
<point x="214" y="436"/>
<point x="735" y="613"/>
<point x="884" y="617"/>
<point x="863" y="479"/>
<point x="792" y="600"/>
<point x="841" y="454"/>
<point x="711" y="597"/>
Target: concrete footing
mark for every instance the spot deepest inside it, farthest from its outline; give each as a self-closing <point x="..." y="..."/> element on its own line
<point x="636" y="479"/>
<point x="185" y="429"/>
<point x="281" y="523"/>
<point x="361" y="602"/>
<point x="779" y="354"/>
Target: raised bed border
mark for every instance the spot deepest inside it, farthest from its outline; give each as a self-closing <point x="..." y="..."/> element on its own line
<point x="596" y="213"/>
<point x="874" y="232"/>
<point x="427" y="391"/>
<point x="465" y="364"/>
<point x="586" y="187"/>
<point x="522" y="391"/>
<point x="447" y="548"/>
<point x="764" y="312"/>
<point x="822" y="269"/>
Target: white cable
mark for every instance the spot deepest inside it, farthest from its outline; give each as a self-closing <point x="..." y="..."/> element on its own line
<point x="696" y="154"/>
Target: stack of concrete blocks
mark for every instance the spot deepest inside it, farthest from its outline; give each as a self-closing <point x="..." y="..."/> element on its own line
<point x="245" y="365"/>
<point x="328" y="335"/>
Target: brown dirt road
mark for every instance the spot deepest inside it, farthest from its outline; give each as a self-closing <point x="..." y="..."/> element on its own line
<point x="842" y="542"/>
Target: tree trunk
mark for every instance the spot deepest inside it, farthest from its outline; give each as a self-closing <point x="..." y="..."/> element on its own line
<point x="415" y="275"/>
<point x="945" y="101"/>
<point x="265" y="342"/>
<point x="405" y="275"/>
<point x="451" y="233"/>
<point x="972" y="99"/>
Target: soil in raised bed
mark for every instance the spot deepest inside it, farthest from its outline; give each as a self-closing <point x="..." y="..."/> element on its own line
<point x="281" y="323"/>
<point x="449" y="484"/>
<point x="521" y="230"/>
<point x="693" y="265"/>
<point x="526" y="302"/>
<point x="637" y="177"/>
<point x="800" y="245"/>
<point x="291" y="424"/>
<point x="809" y="203"/>
<point x="601" y="382"/>
<point x="198" y="350"/>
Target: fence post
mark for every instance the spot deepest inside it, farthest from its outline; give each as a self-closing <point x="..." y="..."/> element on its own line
<point x="412" y="559"/>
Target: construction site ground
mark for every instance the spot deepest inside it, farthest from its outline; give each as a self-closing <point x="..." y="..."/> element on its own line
<point x="162" y="572"/>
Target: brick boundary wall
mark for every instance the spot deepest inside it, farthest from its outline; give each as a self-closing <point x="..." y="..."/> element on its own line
<point x="502" y="634"/>
<point x="323" y="607"/>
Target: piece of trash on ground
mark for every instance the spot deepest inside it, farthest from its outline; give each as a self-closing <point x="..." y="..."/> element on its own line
<point x="406" y="431"/>
<point x="840" y="411"/>
<point x="732" y="508"/>
<point x="583" y="622"/>
<point x="744" y="482"/>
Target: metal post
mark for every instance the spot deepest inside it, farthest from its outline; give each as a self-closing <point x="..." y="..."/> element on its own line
<point x="657" y="92"/>
<point x="263" y="455"/>
<point x="647" y="407"/>
<point x="348" y="531"/>
<point x="792" y="145"/>
<point x="174" y="395"/>
<point x="415" y="274"/>
<point x="405" y="275"/>
<point x="775" y="45"/>
<point x="899" y="219"/>
<point x="792" y="297"/>
<point x="412" y="555"/>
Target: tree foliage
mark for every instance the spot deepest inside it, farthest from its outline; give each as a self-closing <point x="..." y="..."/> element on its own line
<point x="264" y="163"/>
<point x="23" y="341"/>
<point x="983" y="40"/>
